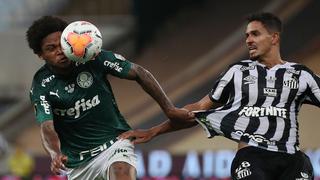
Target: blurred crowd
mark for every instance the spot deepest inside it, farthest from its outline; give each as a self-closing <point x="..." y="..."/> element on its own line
<point x="15" y="162"/>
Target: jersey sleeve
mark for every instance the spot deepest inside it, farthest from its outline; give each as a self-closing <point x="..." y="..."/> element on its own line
<point x="114" y="64"/>
<point x="222" y="89"/>
<point x="313" y="88"/>
<point x="40" y="102"/>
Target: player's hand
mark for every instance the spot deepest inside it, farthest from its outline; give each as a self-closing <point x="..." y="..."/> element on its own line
<point x="138" y="136"/>
<point x="57" y="164"/>
<point x="180" y="114"/>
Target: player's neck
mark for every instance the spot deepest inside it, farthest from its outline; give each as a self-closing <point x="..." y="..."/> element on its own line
<point x="61" y="71"/>
<point x="271" y="60"/>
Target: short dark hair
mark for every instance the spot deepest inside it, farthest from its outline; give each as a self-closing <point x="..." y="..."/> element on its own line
<point x="42" y="28"/>
<point x="269" y="20"/>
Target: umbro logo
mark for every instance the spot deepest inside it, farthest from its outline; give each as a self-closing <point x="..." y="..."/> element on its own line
<point x="250" y="79"/>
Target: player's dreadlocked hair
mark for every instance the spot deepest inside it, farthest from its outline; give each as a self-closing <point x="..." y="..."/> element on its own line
<point x="42" y="28"/>
<point x="271" y="22"/>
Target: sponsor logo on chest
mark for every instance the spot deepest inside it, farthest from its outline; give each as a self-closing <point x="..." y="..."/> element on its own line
<point x="252" y="111"/>
<point x="81" y="105"/>
<point x="270" y="92"/>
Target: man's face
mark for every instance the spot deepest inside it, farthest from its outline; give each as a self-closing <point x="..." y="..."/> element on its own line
<point x="258" y="40"/>
<point x="51" y="51"/>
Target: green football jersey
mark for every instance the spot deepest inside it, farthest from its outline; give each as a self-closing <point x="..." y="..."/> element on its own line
<point x="82" y="106"/>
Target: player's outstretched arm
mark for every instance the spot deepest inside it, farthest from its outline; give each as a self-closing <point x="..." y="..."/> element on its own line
<point x="51" y="144"/>
<point x="143" y="136"/>
<point x="153" y="88"/>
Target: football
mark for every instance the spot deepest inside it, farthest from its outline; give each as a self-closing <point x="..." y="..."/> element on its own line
<point x="81" y="41"/>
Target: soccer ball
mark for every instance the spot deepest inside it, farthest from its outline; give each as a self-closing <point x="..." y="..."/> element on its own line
<point x="81" y="41"/>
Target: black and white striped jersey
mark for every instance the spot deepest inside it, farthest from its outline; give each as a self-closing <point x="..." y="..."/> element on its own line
<point x="261" y="105"/>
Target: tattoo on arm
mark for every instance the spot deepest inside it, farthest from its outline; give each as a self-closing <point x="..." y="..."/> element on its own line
<point x="151" y="86"/>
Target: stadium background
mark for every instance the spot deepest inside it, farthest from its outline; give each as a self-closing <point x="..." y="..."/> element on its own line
<point x="184" y="43"/>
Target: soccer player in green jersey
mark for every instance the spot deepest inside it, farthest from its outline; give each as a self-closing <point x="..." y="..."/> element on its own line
<point x="77" y="111"/>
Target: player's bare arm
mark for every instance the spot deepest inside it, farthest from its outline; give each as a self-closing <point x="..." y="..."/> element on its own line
<point x="51" y="144"/>
<point x="143" y="136"/>
<point x="153" y="88"/>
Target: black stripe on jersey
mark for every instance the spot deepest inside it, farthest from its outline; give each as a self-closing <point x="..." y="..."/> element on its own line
<point x="287" y="125"/>
<point x="314" y="100"/>
<point x="272" y="119"/>
<point x="254" y="122"/>
<point x="301" y="100"/>
<point x="245" y="99"/>
<point x="228" y="122"/>
<point x="311" y="98"/>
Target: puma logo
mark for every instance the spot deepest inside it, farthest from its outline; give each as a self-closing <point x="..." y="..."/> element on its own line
<point x="55" y="93"/>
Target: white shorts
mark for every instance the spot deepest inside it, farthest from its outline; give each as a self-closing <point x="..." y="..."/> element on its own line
<point x="98" y="167"/>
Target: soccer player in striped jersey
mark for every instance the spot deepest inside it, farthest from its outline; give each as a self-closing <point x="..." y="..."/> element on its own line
<point x="76" y="109"/>
<point x="255" y="102"/>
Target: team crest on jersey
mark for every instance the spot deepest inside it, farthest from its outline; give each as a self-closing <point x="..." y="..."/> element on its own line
<point x="291" y="83"/>
<point x="304" y="176"/>
<point x="243" y="170"/>
<point x="271" y="79"/>
<point x="85" y="79"/>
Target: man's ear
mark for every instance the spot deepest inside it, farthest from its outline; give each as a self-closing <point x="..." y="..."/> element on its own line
<point x="275" y="38"/>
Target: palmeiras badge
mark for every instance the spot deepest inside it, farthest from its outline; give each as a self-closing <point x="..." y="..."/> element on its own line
<point x="85" y="79"/>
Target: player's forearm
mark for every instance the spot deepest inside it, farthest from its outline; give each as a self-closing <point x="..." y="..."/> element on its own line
<point x="170" y="126"/>
<point x="50" y="139"/>
<point x="152" y="87"/>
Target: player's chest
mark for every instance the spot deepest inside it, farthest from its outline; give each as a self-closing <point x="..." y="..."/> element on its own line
<point x="258" y="76"/>
<point x="81" y="87"/>
<point x="270" y="83"/>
